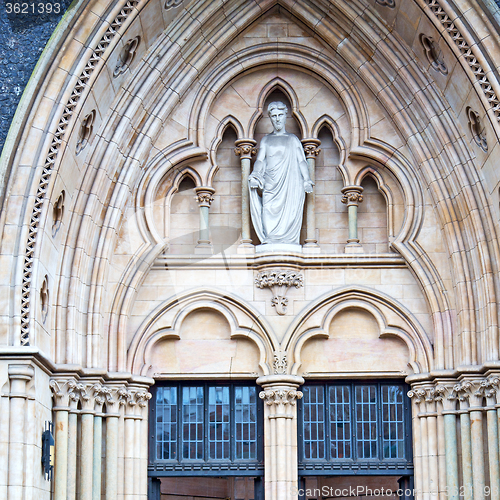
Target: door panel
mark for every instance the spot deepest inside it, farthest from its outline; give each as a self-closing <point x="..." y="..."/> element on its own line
<point x="207" y="488"/>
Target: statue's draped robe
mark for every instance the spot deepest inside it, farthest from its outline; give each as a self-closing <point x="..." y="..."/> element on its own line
<point x="277" y="215"/>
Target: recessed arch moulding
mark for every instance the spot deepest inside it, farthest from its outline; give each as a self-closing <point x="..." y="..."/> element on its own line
<point x="202" y="332"/>
<point x="206" y="333"/>
<point x="167" y="115"/>
<point x="353" y="332"/>
<point x="241" y="106"/>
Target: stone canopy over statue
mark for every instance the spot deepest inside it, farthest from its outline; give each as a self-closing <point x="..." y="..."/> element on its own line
<point x="281" y="174"/>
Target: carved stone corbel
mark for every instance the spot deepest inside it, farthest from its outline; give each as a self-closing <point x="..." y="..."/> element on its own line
<point x="279" y="282"/>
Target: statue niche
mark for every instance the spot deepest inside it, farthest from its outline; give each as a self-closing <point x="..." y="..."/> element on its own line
<point x="278" y="184"/>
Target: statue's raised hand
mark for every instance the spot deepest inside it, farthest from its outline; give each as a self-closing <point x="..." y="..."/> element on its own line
<point x="308" y="186"/>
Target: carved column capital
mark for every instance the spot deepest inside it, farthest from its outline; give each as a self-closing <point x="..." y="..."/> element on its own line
<point x="101" y="395"/>
<point x="280" y="391"/>
<point x="204" y="196"/>
<point x="472" y="390"/>
<point x="432" y="396"/>
<point x="142" y="398"/>
<point x="482" y="389"/>
<point x="245" y="148"/>
<point x="112" y="400"/>
<point x="64" y="393"/>
<point x="352" y="195"/>
<point x="88" y="396"/>
<point x="445" y="394"/>
<point x="490" y="390"/>
<point x="280" y="397"/>
<point x="494" y="380"/>
<point x="125" y="397"/>
<point x="311" y="147"/>
<point x="417" y="395"/>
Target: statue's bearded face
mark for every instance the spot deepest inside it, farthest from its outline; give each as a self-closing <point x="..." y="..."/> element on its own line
<point x="278" y="119"/>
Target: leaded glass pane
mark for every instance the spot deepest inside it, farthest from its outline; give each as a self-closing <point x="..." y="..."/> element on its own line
<point x="340" y="421"/>
<point x="245" y="421"/>
<point x="205" y="422"/>
<point x="314" y="422"/>
<point x="166" y="423"/>
<point x="192" y="423"/>
<point x="218" y="416"/>
<point x="366" y="421"/>
<point x="392" y="421"/>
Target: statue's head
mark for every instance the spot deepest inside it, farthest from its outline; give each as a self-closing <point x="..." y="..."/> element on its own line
<point x="277" y="113"/>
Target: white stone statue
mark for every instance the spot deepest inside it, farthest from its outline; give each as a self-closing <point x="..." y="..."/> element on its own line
<point x="281" y="172"/>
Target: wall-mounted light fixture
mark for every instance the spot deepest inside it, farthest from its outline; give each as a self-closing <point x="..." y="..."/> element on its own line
<point x="48" y="451"/>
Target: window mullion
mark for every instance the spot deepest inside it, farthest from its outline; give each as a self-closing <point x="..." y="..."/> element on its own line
<point x="180" y="423"/>
<point x="354" y="430"/>
<point x="206" y="423"/>
<point x="232" y="425"/>
<point x="326" y="410"/>
<point x="380" y="423"/>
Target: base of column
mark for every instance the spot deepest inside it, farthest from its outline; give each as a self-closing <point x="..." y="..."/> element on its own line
<point x="354" y="247"/>
<point x="204" y="248"/>
<point x="311" y="246"/>
<point x="245" y="247"/>
<point x="278" y="247"/>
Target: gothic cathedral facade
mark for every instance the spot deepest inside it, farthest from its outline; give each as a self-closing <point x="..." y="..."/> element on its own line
<point x="168" y="353"/>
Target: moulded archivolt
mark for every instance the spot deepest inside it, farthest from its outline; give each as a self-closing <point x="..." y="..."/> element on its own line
<point x="80" y="89"/>
<point x="183" y="159"/>
<point x="165" y="322"/>
<point x="252" y="59"/>
<point x="321" y="64"/>
<point x="378" y="153"/>
<point x="468" y="52"/>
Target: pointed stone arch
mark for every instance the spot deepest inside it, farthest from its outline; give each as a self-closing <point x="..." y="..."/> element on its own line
<point x="228" y="121"/>
<point x="165" y="321"/>
<point x="315" y="321"/>
<point x="328" y="122"/>
<point x="272" y="86"/>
